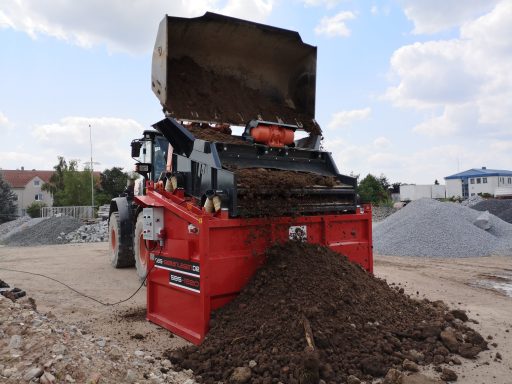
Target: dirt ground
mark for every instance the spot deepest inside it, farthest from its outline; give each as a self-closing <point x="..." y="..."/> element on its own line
<point x="86" y="268"/>
<point x="454" y="281"/>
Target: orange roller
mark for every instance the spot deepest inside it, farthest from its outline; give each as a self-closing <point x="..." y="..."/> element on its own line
<point x="272" y="135"/>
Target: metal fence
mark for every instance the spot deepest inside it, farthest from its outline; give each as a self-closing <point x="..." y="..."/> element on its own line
<point x="79" y="212"/>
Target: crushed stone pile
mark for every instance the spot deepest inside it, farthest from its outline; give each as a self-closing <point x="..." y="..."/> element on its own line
<point x="430" y="228"/>
<point x="49" y="231"/>
<point x="10" y="225"/>
<point x="472" y="200"/>
<point x="379" y="213"/>
<point x="39" y="348"/>
<point x="13" y="226"/>
<point x="89" y="233"/>
<point x="500" y="208"/>
<point x="360" y="326"/>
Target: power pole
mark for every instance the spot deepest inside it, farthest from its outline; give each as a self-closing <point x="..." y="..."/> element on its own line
<point x="92" y="170"/>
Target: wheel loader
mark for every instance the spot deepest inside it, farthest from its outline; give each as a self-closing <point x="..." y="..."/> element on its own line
<point x="234" y="166"/>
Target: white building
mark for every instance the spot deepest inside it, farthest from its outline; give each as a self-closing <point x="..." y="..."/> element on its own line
<point x="27" y="187"/>
<point x="475" y="181"/>
<point x="410" y="192"/>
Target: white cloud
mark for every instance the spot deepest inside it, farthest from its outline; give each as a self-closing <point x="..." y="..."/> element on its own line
<point x="69" y="137"/>
<point x="347" y="118"/>
<point x="325" y="3"/>
<point x="335" y="25"/>
<point x="129" y="27"/>
<point x="374" y="10"/>
<point x="381" y="142"/>
<point x="3" y="120"/>
<point x="466" y="78"/>
<point x="432" y="16"/>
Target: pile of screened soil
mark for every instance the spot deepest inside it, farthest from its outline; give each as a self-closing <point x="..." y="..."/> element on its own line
<point x="215" y="135"/>
<point x="200" y="94"/>
<point x="360" y="325"/>
<point x="271" y="192"/>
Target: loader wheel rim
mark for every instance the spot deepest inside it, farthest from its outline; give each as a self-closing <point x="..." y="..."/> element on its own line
<point x="113" y="239"/>
<point x="142" y="251"/>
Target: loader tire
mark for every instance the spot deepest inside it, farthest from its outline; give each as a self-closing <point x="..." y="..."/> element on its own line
<point x="140" y="249"/>
<point x="121" y="255"/>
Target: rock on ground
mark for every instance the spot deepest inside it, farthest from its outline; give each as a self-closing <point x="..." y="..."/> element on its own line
<point x="34" y="345"/>
<point x="89" y="233"/>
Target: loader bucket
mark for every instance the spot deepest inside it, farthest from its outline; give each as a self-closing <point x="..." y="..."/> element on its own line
<point x="221" y="69"/>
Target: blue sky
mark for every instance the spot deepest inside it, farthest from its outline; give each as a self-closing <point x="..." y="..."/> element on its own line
<point x="416" y="90"/>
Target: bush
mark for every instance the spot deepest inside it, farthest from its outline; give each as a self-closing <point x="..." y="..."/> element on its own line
<point x="34" y="209"/>
<point x="371" y="190"/>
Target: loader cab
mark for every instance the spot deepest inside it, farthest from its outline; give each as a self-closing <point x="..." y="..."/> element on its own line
<point x="150" y="153"/>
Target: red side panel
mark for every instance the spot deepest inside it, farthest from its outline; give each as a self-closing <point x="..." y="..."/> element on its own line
<point x="206" y="260"/>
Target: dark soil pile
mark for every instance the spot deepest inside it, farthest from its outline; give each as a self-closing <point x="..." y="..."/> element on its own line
<point x="500" y="208"/>
<point x="199" y="94"/>
<point x="213" y="135"/>
<point x="272" y="192"/>
<point x="359" y="324"/>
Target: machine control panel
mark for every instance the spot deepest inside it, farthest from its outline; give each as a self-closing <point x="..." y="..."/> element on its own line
<point x="153" y="223"/>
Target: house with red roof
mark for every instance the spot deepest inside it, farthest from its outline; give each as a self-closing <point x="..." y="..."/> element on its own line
<point x="27" y="186"/>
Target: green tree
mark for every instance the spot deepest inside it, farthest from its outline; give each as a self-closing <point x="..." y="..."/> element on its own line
<point x="57" y="180"/>
<point x="395" y="187"/>
<point x="8" y="204"/>
<point x="112" y="184"/>
<point x="69" y="185"/>
<point x="34" y="209"/>
<point x="383" y="180"/>
<point x="370" y="190"/>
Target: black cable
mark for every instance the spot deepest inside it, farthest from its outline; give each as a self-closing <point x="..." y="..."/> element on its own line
<point x="80" y="293"/>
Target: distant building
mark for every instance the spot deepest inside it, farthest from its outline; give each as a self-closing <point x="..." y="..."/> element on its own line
<point x="411" y="192"/>
<point x="27" y="187"/>
<point x="495" y="182"/>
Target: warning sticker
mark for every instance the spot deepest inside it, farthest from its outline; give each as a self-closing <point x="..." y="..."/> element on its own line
<point x="184" y="281"/>
<point x="184" y="267"/>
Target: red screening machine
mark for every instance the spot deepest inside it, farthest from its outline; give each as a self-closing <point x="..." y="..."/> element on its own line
<point x="211" y="202"/>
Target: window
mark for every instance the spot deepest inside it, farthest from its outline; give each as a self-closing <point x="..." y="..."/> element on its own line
<point x="38" y="197"/>
<point x="472" y="181"/>
<point x="472" y="194"/>
<point x="484" y="180"/>
<point x="36" y="182"/>
<point x="510" y="180"/>
<point x="478" y="180"/>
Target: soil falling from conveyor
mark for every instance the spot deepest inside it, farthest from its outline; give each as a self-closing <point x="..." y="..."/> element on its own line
<point x="360" y="325"/>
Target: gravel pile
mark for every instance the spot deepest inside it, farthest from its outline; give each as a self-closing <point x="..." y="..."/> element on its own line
<point x="471" y="201"/>
<point x="89" y="233"/>
<point x="500" y="208"/>
<point x="38" y="348"/>
<point x="431" y="228"/>
<point x="48" y="231"/>
<point x="10" y="227"/>
<point x="380" y="213"/>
